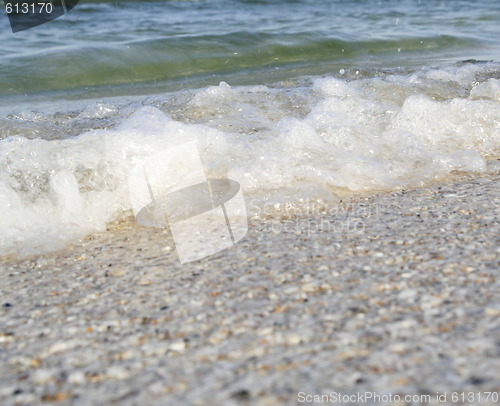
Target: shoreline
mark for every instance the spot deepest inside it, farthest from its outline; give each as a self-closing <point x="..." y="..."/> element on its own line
<point x="408" y="304"/>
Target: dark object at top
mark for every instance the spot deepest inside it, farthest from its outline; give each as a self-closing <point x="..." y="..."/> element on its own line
<point x="24" y="14"/>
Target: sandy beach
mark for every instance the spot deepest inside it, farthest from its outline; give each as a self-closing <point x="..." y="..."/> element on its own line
<point x="405" y="303"/>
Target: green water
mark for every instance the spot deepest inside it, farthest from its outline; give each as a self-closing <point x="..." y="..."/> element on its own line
<point x="127" y="48"/>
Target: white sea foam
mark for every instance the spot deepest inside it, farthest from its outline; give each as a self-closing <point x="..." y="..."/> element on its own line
<point x="286" y="144"/>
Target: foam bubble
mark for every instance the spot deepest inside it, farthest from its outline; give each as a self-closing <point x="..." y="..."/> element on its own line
<point x="332" y="87"/>
<point x="486" y="90"/>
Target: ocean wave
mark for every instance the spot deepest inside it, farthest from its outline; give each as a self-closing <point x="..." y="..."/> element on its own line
<point x="64" y="175"/>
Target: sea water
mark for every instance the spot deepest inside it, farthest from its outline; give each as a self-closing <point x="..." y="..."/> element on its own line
<point x="299" y="101"/>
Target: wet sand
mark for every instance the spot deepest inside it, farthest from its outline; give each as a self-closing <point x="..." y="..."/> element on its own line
<point x="406" y="301"/>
